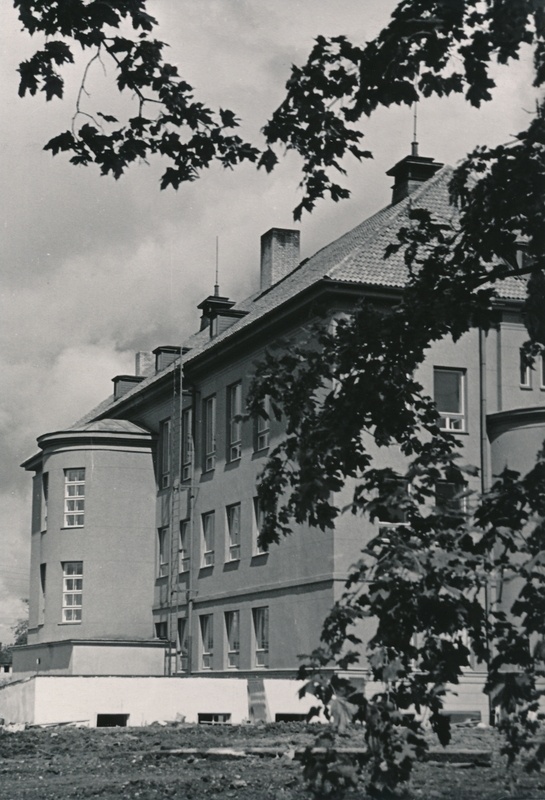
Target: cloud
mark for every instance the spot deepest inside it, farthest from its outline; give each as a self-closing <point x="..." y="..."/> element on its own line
<point x="94" y="269"/>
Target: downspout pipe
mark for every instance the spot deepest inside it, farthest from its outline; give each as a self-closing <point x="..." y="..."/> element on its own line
<point x="485" y="473"/>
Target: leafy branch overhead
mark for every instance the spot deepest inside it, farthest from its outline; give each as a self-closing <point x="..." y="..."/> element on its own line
<point x="169" y="121"/>
<point x="430" y="47"/>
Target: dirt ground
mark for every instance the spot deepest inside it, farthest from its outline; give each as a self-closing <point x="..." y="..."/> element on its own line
<point x="131" y="764"/>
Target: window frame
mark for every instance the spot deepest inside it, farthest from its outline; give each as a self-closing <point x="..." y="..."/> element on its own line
<point x="161" y="630"/>
<point x="257" y="523"/>
<point x="182" y="644"/>
<point x="542" y="375"/>
<point x="165" y="434"/>
<point x="77" y="513"/>
<point x="525" y="372"/>
<point x="45" y="499"/>
<point x="209" y="433"/>
<point x="392" y="523"/>
<point x="184" y="553"/>
<point x="208" y="536"/>
<point x="187" y="443"/>
<point x="450" y="418"/>
<point x="260" y="622"/>
<point x="234" y="425"/>
<point x="448" y="506"/>
<point x="67" y="608"/>
<point x="163" y="561"/>
<point x="233" y="514"/>
<point x="262" y="427"/>
<point x="206" y="627"/>
<point x="232" y="638"/>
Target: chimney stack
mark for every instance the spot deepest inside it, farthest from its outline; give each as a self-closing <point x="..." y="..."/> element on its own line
<point x="144" y="363"/>
<point x="279" y="255"/>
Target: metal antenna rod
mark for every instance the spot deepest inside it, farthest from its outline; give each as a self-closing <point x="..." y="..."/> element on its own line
<point x="414" y="144"/>
<point x="217" y="284"/>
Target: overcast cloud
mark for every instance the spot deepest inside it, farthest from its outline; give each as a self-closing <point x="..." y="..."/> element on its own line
<point x="93" y="269"/>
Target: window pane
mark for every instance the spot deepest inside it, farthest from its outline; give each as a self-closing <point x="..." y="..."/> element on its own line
<point x="447" y="391"/>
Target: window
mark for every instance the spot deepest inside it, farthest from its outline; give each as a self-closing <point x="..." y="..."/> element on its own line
<point x="393" y="511"/>
<point x="72" y="589"/>
<point x="185" y="535"/>
<point x="234" y="423"/>
<point x="262" y="426"/>
<point x="233" y="639"/>
<point x="161" y="630"/>
<point x="162" y="559"/>
<point x="74" y="497"/>
<point x="45" y="497"/>
<point x="258" y="525"/>
<point x="208" y="524"/>
<point x="233" y="526"/>
<point x="525" y="371"/>
<point x="448" y="391"/>
<point x="450" y="498"/>
<point x="207" y="640"/>
<point x="187" y="443"/>
<point x="542" y="371"/>
<point x="164" y="454"/>
<point x="209" y="422"/>
<point x="41" y="610"/>
<point x="183" y="643"/>
<point x="261" y="635"/>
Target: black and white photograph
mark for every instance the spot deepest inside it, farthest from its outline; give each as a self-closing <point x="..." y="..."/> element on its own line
<point x="272" y="406"/>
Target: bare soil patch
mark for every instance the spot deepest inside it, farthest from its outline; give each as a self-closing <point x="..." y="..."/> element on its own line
<point x="122" y="763"/>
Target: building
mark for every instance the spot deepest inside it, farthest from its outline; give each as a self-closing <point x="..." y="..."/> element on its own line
<point x="145" y="559"/>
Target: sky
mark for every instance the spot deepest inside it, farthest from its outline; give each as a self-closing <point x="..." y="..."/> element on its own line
<point x="93" y="270"/>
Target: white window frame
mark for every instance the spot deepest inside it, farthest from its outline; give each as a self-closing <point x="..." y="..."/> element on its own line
<point x="209" y="433"/>
<point x="183" y="643"/>
<point x="260" y="620"/>
<point x="233" y="529"/>
<point x="206" y="625"/>
<point x="45" y="498"/>
<point x="263" y="426"/>
<point x="258" y="521"/>
<point x="72" y="592"/>
<point x="74" y="497"/>
<point x="185" y="545"/>
<point x="162" y="552"/>
<point x="234" y="425"/>
<point x="187" y="443"/>
<point x="454" y="421"/>
<point x="232" y="637"/>
<point x="525" y="372"/>
<point x="208" y="538"/>
<point x="165" y="434"/>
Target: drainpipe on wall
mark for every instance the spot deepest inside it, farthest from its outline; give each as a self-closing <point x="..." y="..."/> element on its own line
<point x="485" y="472"/>
<point x="193" y="549"/>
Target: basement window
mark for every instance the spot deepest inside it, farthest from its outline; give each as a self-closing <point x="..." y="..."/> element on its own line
<point x="112" y="720"/>
<point x="214" y="719"/>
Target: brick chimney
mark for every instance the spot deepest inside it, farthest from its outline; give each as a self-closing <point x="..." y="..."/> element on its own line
<point x="410" y="173"/>
<point x="279" y="255"/>
<point x="144" y="363"/>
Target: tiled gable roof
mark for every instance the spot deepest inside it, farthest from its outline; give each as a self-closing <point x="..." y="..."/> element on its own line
<point x="355" y="257"/>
